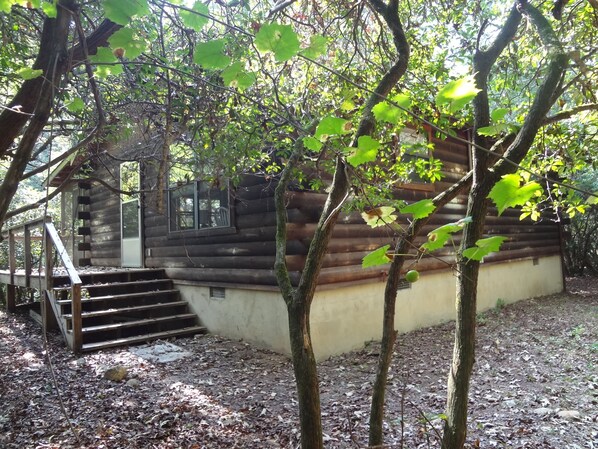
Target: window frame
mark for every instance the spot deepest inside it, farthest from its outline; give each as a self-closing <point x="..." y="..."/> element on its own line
<point x="413" y="184"/>
<point x="197" y="229"/>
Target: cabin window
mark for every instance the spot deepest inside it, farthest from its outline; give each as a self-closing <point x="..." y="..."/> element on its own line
<point x="416" y="151"/>
<point x="198" y="205"/>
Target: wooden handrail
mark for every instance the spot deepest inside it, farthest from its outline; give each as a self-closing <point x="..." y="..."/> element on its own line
<point x="53" y="239"/>
<point x="52" y="242"/>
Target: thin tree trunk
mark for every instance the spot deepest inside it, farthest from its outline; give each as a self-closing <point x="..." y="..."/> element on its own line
<point x="389" y="334"/>
<point x="455" y="428"/>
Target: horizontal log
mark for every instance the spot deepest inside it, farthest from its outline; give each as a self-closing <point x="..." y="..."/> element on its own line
<point x="105" y="262"/>
<point x="254" y="192"/>
<point x="231" y="263"/>
<point x="217" y="275"/>
<point x="227" y="249"/>
<point x="261" y="234"/>
<point x="112" y="228"/>
<point x="269" y="219"/>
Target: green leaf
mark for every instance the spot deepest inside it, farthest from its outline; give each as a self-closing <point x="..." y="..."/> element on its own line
<point x="311" y="143"/>
<point x="27" y="73"/>
<point x="508" y="193"/>
<point x="439" y="236"/>
<point x="49" y="9"/>
<point x="279" y="39"/>
<point x="124" y="44"/>
<point x="376" y="257"/>
<point x="6" y="6"/>
<point x="367" y="151"/>
<point x="494" y="130"/>
<point x="332" y="126"/>
<point x="379" y="216"/>
<point x="420" y="209"/>
<point x="122" y="11"/>
<point x="457" y="93"/>
<point x="317" y="46"/>
<point x="210" y="55"/>
<point x="387" y="112"/>
<point x="484" y="247"/>
<point x="592" y="199"/>
<point x="498" y="114"/>
<point x="235" y="76"/>
<point x="76" y="105"/>
<point x="195" y="20"/>
<point x="105" y="56"/>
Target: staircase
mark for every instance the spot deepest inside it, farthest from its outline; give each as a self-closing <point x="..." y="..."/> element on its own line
<point x="125" y="307"/>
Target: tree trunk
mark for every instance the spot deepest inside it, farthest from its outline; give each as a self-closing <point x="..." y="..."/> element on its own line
<point x="455" y="429"/>
<point x="389" y="334"/>
<point x="306" y="377"/>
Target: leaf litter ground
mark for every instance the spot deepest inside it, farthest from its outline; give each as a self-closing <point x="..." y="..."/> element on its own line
<point x="535" y="385"/>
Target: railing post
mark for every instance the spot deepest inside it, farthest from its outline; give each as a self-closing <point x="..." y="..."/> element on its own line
<point x="27" y="254"/>
<point x="77" y="322"/>
<point x="11" y="289"/>
<point x="46" y="308"/>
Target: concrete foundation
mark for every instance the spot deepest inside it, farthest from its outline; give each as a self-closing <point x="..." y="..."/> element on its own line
<point x="345" y="318"/>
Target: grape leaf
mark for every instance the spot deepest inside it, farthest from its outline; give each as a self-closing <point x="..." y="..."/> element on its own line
<point x="311" y="143"/>
<point x="49" y="9"/>
<point x="105" y="56"/>
<point x="379" y="216"/>
<point x="279" y="39"/>
<point x="439" y="236"/>
<point x="317" y="46"/>
<point x="122" y="11"/>
<point x="387" y="112"/>
<point x="27" y="73"/>
<point x="419" y="209"/>
<point x="210" y="55"/>
<point x="195" y="20"/>
<point x="494" y="130"/>
<point x="508" y="193"/>
<point x="367" y="151"/>
<point x="125" y="44"/>
<point x="235" y="76"/>
<point x="457" y="93"/>
<point x="376" y="257"/>
<point x="332" y="126"/>
<point x="76" y="105"/>
<point x="498" y="114"/>
<point x="484" y="247"/>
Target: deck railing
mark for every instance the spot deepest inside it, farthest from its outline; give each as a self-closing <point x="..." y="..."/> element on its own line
<point x="52" y="245"/>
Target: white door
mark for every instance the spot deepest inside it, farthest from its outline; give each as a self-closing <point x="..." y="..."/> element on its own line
<point x="130" y="213"/>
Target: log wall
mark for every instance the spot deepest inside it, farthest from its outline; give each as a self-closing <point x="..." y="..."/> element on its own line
<point x="245" y="253"/>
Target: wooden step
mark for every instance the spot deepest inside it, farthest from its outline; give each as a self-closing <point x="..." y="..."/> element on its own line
<point x="66" y="302"/>
<point x="83" y="230"/>
<point x="116" y="284"/>
<point x="105" y="277"/>
<point x="83" y="199"/>
<point x="143" y="338"/>
<point x="148" y="321"/>
<point x="84" y="215"/>
<point x="117" y="311"/>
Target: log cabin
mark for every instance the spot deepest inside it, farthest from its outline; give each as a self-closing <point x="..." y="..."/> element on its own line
<point x="215" y="244"/>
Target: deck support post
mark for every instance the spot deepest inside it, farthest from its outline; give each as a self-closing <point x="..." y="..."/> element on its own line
<point x="48" y="318"/>
<point x="11" y="298"/>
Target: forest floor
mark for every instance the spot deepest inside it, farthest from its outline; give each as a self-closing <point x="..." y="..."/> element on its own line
<point x="535" y="385"/>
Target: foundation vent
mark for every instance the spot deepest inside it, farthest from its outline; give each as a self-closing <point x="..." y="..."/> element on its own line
<point x="217" y="293"/>
<point x="404" y="285"/>
<point x="535" y="261"/>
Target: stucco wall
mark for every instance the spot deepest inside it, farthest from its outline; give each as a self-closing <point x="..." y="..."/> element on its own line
<point x="345" y="318"/>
